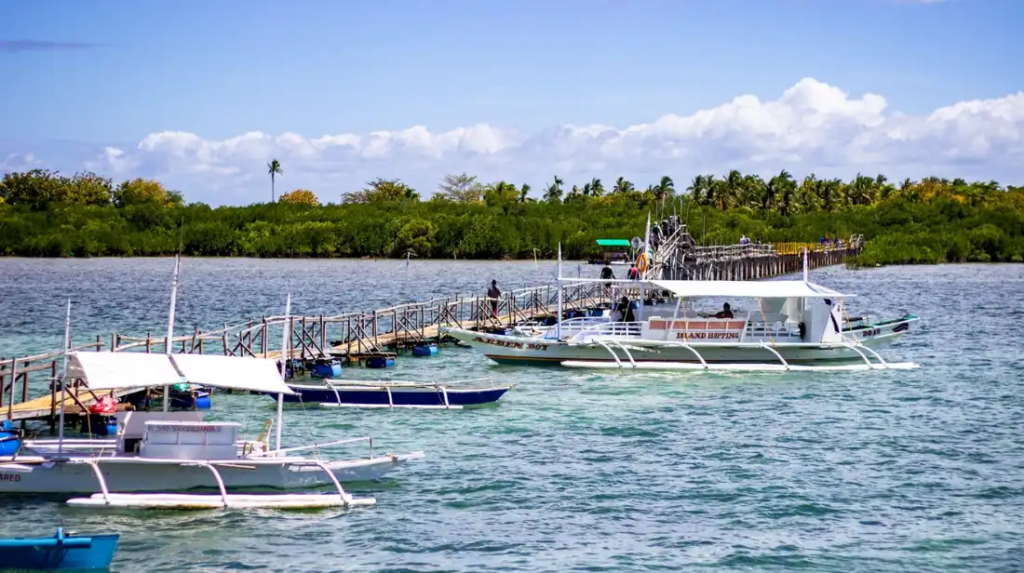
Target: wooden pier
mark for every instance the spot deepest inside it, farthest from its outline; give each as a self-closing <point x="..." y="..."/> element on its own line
<point x="26" y="392"/>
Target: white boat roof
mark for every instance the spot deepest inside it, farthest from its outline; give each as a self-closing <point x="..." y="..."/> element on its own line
<point x="747" y="289"/>
<point x="110" y="370"/>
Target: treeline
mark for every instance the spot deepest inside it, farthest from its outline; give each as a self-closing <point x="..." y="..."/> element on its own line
<point x="47" y="214"/>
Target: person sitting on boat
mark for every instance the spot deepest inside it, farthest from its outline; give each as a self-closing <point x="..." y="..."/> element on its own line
<point x="726" y="312"/>
<point x="625" y="310"/>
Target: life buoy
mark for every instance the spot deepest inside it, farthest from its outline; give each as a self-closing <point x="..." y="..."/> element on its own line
<point x="641" y="263"/>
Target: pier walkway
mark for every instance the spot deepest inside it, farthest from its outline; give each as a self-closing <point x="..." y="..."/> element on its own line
<point x="360" y="335"/>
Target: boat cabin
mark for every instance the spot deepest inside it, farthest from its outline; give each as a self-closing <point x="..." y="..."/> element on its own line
<point x="769" y="311"/>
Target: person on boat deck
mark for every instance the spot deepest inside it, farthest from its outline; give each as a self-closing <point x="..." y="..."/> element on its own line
<point x="494" y="293"/>
<point x="625" y="310"/>
<point x="634" y="273"/>
<point x="726" y="312"/>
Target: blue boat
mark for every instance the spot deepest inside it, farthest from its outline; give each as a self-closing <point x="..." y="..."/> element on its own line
<point x="60" y="552"/>
<point x="359" y="394"/>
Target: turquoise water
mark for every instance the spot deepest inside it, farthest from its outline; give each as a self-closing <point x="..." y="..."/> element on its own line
<point x="596" y="471"/>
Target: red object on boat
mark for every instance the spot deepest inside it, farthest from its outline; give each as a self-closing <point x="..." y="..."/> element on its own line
<point x="106" y="405"/>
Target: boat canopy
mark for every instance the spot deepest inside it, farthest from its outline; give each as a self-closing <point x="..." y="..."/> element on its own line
<point x="613" y="242"/>
<point x="110" y="370"/>
<point x="745" y="289"/>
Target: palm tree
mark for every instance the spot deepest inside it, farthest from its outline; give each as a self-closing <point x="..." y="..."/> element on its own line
<point x="523" y="191"/>
<point x="596" y="187"/>
<point x="665" y="188"/>
<point x="553" y="194"/>
<point x="700" y="188"/>
<point x="274" y="169"/>
<point x="622" y="185"/>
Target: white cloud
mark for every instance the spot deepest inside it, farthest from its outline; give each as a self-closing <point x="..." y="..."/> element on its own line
<point x="812" y="126"/>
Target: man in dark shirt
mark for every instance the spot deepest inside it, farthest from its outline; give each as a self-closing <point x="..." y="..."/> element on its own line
<point x="726" y="312"/>
<point x="608" y="275"/>
<point x="626" y="311"/>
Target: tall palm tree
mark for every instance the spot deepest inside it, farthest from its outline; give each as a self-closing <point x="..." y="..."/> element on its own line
<point x="523" y="192"/>
<point x="274" y="169"/>
<point x="553" y="194"/>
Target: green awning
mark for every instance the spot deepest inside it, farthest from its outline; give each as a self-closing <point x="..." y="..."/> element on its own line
<point x="613" y="242"/>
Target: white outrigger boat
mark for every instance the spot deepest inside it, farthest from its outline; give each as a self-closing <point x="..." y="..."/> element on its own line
<point x="790" y="325"/>
<point x="158" y="452"/>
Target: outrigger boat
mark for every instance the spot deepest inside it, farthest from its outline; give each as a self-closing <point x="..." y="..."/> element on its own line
<point x="178" y="451"/>
<point x="59" y="552"/>
<point x="790" y="325"/>
<point x="364" y="394"/>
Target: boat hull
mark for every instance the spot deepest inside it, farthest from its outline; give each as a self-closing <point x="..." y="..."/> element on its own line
<point x="400" y="396"/>
<point x="77" y="476"/>
<point x="541" y="351"/>
<point x="63" y="553"/>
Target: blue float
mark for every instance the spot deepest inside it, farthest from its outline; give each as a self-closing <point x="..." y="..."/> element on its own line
<point x="99" y="425"/>
<point x="325" y="369"/>
<point x="61" y="552"/>
<point x="203" y="401"/>
<point x="426" y="350"/>
<point x="10" y="443"/>
<point x="380" y="362"/>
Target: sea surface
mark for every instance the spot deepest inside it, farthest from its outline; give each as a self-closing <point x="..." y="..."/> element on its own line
<point x="919" y="470"/>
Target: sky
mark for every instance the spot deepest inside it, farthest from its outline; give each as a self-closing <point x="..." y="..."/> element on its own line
<point x="201" y="95"/>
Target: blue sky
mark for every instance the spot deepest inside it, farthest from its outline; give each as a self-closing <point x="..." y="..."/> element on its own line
<point x="86" y="76"/>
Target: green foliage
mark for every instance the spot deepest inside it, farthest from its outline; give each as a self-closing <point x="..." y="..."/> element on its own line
<point x="49" y="215"/>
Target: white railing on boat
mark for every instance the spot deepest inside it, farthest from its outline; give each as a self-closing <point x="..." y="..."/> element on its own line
<point x="573" y="326"/>
<point x="277" y="453"/>
<point x="611" y="344"/>
<point x="610" y="330"/>
<point x="223" y="499"/>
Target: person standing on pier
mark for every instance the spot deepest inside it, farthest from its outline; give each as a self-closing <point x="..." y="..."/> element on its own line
<point x="607" y="275"/>
<point x="494" y="293"/>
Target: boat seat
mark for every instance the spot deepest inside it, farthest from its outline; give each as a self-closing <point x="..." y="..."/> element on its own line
<point x="133" y="429"/>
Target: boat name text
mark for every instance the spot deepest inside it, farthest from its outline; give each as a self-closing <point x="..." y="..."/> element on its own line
<point x="871" y="332"/>
<point x="186" y="428"/>
<point x="709" y="335"/>
<point x="10" y="477"/>
<point x="509" y="344"/>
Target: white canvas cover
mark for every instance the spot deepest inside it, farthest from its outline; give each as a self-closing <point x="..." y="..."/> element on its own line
<point x="748" y="289"/>
<point x="109" y="370"/>
<point x="243" y="373"/>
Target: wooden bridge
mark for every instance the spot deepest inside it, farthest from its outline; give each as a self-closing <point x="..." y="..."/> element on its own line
<point x="26" y="392"/>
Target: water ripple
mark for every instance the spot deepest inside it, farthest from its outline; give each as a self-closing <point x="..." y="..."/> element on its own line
<point x="579" y="471"/>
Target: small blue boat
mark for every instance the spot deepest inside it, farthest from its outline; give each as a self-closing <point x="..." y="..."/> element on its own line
<point x="61" y="552"/>
<point x="359" y="394"/>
